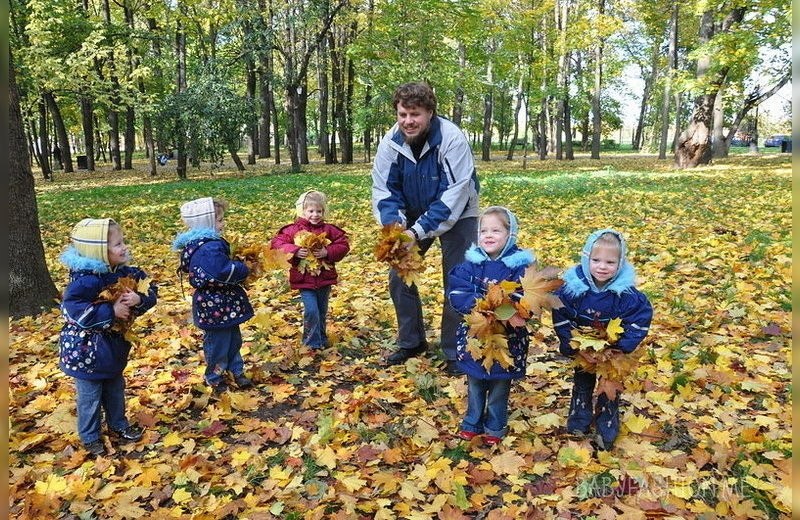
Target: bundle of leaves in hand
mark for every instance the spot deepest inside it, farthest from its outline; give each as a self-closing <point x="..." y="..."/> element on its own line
<point x="113" y="292"/>
<point x="260" y="258"/>
<point x="393" y="248"/>
<point x="313" y="242"/>
<point x="512" y="304"/>
<point x="597" y="355"/>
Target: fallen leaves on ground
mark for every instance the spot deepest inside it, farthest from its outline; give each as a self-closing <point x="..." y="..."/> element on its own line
<point x="706" y="419"/>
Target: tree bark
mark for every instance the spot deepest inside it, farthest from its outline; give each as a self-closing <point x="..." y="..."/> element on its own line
<point x="30" y="288"/>
<point x="180" y="80"/>
<point x="324" y="106"/>
<point x="252" y="121"/>
<point x="694" y="144"/>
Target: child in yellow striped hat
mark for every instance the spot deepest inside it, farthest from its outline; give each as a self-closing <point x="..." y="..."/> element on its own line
<point x="92" y="347"/>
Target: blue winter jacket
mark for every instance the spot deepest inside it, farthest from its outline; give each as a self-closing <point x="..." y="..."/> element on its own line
<point x="219" y="299"/>
<point x="467" y="283"/>
<point x="88" y="348"/>
<point x="586" y="305"/>
<point x="431" y="194"/>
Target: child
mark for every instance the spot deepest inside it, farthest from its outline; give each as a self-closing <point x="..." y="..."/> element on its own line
<point x="92" y="345"/>
<point x="220" y="303"/>
<point x="314" y="285"/>
<point x="494" y="259"/>
<point x="598" y="290"/>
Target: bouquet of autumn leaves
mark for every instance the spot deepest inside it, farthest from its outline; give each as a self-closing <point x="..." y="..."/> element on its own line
<point x="313" y="242"/>
<point x="393" y="249"/>
<point x="259" y="258"/>
<point x="113" y="292"/>
<point x="512" y="304"/>
<point x="597" y="355"/>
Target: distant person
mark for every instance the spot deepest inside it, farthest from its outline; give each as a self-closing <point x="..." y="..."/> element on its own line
<point x="599" y="289"/>
<point x="219" y="304"/>
<point x="424" y="178"/>
<point x="92" y="346"/>
<point x="495" y="258"/>
<point x="314" y="283"/>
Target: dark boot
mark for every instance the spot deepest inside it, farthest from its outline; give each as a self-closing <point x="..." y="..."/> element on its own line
<point x="607" y="421"/>
<point x="580" y="406"/>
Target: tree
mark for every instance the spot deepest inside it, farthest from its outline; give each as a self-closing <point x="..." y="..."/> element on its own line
<point x="694" y="143"/>
<point x="30" y="286"/>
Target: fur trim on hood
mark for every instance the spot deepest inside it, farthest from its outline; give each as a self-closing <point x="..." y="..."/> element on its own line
<point x="193" y="234"/>
<point x="75" y="261"/>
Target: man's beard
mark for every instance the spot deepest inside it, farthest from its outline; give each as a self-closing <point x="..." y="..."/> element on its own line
<point x="418" y="139"/>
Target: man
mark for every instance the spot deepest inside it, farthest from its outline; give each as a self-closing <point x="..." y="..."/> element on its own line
<point x="424" y="177"/>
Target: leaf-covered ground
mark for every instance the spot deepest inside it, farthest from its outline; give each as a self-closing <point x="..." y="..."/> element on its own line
<point x="706" y="421"/>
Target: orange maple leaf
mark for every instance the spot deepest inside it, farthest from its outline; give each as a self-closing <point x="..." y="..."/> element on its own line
<point x="312" y="241"/>
<point x="537" y="287"/>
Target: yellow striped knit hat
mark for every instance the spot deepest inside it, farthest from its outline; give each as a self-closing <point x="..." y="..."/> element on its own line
<point x="199" y="213"/>
<point x="90" y="238"/>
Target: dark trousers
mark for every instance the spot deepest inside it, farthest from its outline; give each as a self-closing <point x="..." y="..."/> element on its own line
<point x="407" y="304"/>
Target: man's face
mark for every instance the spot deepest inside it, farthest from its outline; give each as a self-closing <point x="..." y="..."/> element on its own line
<point x="414" y="121"/>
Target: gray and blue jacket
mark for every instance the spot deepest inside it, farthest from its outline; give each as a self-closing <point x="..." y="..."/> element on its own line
<point x="586" y="305"/>
<point x="430" y="194"/>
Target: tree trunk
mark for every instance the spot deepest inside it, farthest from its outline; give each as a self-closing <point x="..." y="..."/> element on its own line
<point x="30" y="287"/>
<point x="649" y="80"/>
<point x="347" y="123"/>
<point x="44" y="141"/>
<point x="694" y="144"/>
<point x="87" y="117"/>
<point x="252" y="122"/>
<point x="61" y="132"/>
<point x="180" y="80"/>
<point x="673" y="65"/>
<point x="486" y="142"/>
<point x="517" y="109"/>
<point x="598" y="84"/>
<point x="324" y="96"/>
<point x="130" y="136"/>
<point x="236" y="159"/>
<point x="719" y="142"/>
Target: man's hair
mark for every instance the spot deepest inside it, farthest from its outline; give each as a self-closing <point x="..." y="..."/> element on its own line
<point x="415" y="94"/>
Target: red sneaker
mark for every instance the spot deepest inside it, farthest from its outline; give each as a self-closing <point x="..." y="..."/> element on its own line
<point x="466" y="435"/>
<point x="491" y="440"/>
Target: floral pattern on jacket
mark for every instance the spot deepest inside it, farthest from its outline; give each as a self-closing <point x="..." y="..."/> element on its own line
<point x="337" y="249"/>
<point x="88" y="348"/>
<point x="219" y="300"/>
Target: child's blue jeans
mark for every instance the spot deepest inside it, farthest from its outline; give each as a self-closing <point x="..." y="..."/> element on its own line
<point x="315" y="314"/>
<point x="222" y="348"/>
<point x="487" y="406"/>
<point x="94" y="394"/>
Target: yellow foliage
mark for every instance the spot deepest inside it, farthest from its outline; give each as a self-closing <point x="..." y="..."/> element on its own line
<point x="393" y="248"/>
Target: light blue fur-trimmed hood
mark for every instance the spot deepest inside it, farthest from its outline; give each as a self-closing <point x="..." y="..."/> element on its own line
<point x="514" y="257"/>
<point x="578" y="280"/>
<point x="193" y="234"/>
<point x="75" y="261"/>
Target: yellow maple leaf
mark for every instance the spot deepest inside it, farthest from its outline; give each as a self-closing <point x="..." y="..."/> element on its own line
<point x="180" y="496"/>
<point x="614" y="330"/>
<point x="637" y="423"/>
